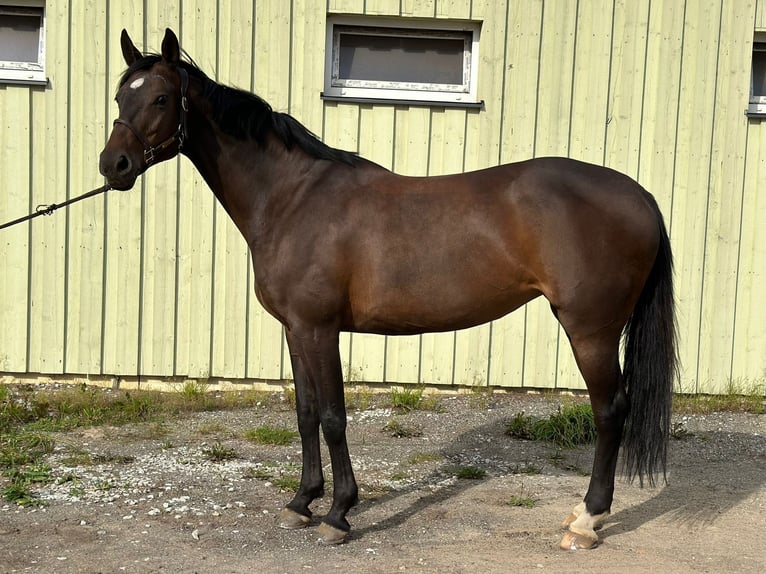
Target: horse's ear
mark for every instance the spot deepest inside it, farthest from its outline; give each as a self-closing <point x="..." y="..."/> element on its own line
<point x="129" y="51"/>
<point x="171" y="53"/>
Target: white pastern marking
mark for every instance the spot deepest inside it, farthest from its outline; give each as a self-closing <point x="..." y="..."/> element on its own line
<point x="137" y="83"/>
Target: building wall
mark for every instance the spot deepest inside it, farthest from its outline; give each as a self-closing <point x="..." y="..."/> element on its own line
<point x="157" y="282"/>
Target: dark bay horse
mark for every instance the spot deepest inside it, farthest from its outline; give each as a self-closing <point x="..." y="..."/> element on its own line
<point x="341" y="244"/>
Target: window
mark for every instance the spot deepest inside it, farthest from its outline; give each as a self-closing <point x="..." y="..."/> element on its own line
<point x="22" y="42"/>
<point x="758" y="77"/>
<point x="383" y="59"/>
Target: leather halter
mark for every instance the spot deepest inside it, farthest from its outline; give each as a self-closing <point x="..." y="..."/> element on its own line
<point x="151" y="151"/>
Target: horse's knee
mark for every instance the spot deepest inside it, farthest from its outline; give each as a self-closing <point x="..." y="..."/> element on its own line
<point x="333" y="426"/>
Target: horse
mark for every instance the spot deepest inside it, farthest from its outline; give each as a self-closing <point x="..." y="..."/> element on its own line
<point x="341" y="244"/>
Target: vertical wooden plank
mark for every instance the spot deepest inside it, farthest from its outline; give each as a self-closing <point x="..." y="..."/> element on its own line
<point x="196" y="219"/>
<point x="453" y="9"/>
<point x="85" y="259"/>
<point x="341" y="130"/>
<point x="631" y="21"/>
<point x="158" y="265"/>
<point x="273" y="53"/>
<point x="551" y="138"/>
<point x="381" y="7"/>
<point x="724" y="214"/>
<point x="122" y="281"/>
<point x="267" y="357"/>
<point x="445" y="155"/>
<point x="690" y="196"/>
<point x="16" y="118"/>
<point x="309" y="29"/>
<point x="231" y="286"/>
<point x="519" y="117"/>
<point x="661" y="92"/>
<point x="749" y="337"/>
<point x="49" y="184"/>
<point x="376" y="140"/>
<point x="418" y="8"/>
<point x="346" y="6"/>
<point x="760" y="14"/>
<point x="411" y="137"/>
<point x="483" y="129"/>
<point x="587" y="130"/>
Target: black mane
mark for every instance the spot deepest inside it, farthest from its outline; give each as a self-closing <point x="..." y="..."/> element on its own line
<point x="244" y="115"/>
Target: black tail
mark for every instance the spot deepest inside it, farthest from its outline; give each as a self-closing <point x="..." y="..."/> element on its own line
<point x="651" y="365"/>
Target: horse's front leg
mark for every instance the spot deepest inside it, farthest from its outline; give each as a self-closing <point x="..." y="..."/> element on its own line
<point x="297" y="513"/>
<point x="316" y="351"/>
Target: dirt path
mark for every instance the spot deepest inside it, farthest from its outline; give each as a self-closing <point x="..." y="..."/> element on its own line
<point x="156" y="504"/>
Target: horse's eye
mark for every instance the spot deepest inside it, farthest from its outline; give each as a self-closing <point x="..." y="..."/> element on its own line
<point x="161" y="100"/>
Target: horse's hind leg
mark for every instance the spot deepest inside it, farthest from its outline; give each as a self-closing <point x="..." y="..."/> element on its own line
<point x="597" y="356"/>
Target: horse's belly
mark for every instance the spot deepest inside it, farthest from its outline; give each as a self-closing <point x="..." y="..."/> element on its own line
<point x="444" y="307"/>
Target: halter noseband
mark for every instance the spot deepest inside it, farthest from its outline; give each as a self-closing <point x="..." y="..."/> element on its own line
<point x="150" y="151"/>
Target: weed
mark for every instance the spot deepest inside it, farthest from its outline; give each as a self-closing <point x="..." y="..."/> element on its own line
<point x="571" y="426"/>
<point x="193" y="390"/>
<point x="527" y="468"/>
<point x="400" y="430"/>
<point x="167" y="445"/>
<point x="257" y="473"/>
<point x="522" y="501"/>
<point x="19" y="481"/>
<point x="270" y="435"/>
<point x="399" y="476"/>
<point x="480" y="397"/>
<point x="359" y="399"/>
<point x="287" y="483"/>
<point x="406" y="399"/>
<point x="219" y="453"/>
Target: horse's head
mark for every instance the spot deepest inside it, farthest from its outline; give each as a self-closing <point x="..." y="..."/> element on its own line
<point x="152" y="123"/>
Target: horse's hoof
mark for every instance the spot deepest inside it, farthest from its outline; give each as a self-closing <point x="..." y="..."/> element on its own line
<point x="291" y="520"/>
<point x="578" y="540"/>
<point x="330" y="535"/>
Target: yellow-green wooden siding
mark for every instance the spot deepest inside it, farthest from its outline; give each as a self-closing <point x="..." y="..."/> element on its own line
<point x="157" y="282"/>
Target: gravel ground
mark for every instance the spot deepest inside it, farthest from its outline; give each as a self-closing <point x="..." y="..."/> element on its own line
<point x="146" y="498"/>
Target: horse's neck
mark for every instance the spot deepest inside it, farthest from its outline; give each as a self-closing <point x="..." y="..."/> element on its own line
<point x="250" y="180"/>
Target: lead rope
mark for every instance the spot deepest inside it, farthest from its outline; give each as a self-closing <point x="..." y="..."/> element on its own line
<point x="49" y="209"/>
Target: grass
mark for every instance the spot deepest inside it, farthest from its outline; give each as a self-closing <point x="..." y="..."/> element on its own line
<point x="398" y="429"/>
<point x="219" y="453"/>
<point x="28" y="415"/>
<point x="270" y="435"/>
<point x="412" y="399"/>
<point x="287" y="483"/>
<point x="738" y="396"/>
<point x="571" y="426"/>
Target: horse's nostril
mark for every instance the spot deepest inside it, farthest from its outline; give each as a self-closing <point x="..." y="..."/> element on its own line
<point x="123" y="165"/>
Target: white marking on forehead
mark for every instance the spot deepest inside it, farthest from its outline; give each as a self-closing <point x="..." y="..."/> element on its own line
<point x="137" y="83"/>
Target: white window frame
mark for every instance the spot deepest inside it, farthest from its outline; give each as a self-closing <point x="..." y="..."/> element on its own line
<point x="336" y="88"/>
<point x="26" y="72"/>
